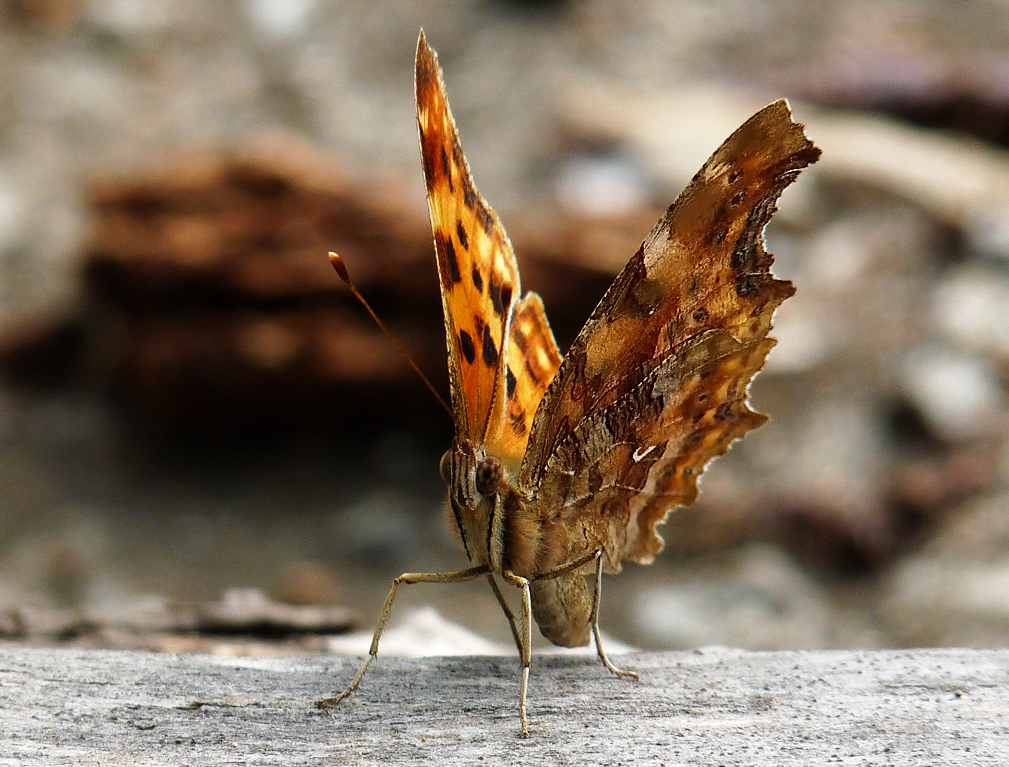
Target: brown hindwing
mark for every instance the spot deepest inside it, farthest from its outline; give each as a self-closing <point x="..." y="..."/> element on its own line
<point x="655" y="384"/>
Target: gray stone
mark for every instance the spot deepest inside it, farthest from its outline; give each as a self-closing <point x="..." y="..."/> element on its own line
<point x="724" y="707"/>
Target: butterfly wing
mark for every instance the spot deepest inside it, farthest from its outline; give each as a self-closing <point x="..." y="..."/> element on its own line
<point x="533" y="359"/>
<point x="655" y="384"/>
<point x="494" y="393"/>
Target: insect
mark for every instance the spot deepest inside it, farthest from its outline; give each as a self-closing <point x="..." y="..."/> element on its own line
<point x="562" y="468"/>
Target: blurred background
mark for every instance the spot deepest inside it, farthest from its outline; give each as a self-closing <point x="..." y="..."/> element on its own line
<point x="191" y="403"/>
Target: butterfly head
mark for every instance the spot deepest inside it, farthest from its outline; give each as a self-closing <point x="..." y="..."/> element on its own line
<point x="476" y="482"/>
<point x="471" y="474"/>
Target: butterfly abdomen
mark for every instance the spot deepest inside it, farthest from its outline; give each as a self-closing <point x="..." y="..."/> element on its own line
<point x="562" y="608"/>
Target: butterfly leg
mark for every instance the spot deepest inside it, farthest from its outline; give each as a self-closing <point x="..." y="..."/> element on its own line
<point x="595" y="622"/>
<point x="524" y="645"/>
<point x="507" y="611"/>
<point x="383" y="618"/>
<point x="565" y="569"/>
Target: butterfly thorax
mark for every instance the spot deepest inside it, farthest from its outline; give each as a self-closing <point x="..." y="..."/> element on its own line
<point x="504" y="528"/>
<point x="496" y="522"/>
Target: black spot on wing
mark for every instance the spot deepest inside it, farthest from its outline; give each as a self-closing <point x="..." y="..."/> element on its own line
<point x="518" y="422"/>
<point x="428" y="158"/>
<point x="533" y="375"/>
<point x="721" y="222"/>
<point x="460" y="231"/>
<point x="447" y="170"/>
<point x="496" y="298"/>
<point x="520" y="339"/>
<point x="466" y="344"/>
<point x="486" y="219"/>
<point x="490" y="353"/>
<point x="468" y="193"/>
<point x="448" y="260"/>
<point x="477" y="279"/>
<point x="746" y="285"/>
<point x="510" y="383"/>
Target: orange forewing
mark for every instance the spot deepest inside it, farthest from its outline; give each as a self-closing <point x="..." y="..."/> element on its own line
<point x="494" y="402"/>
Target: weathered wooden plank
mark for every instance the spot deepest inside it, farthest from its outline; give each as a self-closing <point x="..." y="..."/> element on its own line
<point x="712" y="707"/>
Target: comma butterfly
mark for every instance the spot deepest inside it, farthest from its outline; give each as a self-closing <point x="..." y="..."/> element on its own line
<point x="563" y="467"/>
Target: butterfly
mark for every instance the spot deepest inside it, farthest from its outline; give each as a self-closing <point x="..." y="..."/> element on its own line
<point x="562" y="467"/>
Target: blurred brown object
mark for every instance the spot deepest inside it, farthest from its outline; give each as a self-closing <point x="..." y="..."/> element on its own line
<point x="248" y="224"/>
<point x="54" y="16"/>
<point x="214" y="305"/>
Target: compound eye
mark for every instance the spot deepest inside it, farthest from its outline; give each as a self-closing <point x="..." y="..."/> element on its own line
<point x="445" y="467"/>
<point x="488" y="475"/>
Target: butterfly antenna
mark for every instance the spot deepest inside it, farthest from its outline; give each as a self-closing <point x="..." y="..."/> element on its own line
<point x="341" y="269"/>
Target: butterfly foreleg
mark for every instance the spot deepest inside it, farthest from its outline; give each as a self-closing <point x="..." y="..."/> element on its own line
<point x="525" y="644"/>
<point x="383" y="618"/>
<point x="596" y="597"/>
<point x="507" y="611"/>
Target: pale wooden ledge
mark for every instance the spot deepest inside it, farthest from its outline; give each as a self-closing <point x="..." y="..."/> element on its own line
<point x="714" y="707"/>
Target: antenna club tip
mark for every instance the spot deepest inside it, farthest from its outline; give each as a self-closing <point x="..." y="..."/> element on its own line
<point x="341" y="269"/>
<point x="339" y="266"/>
